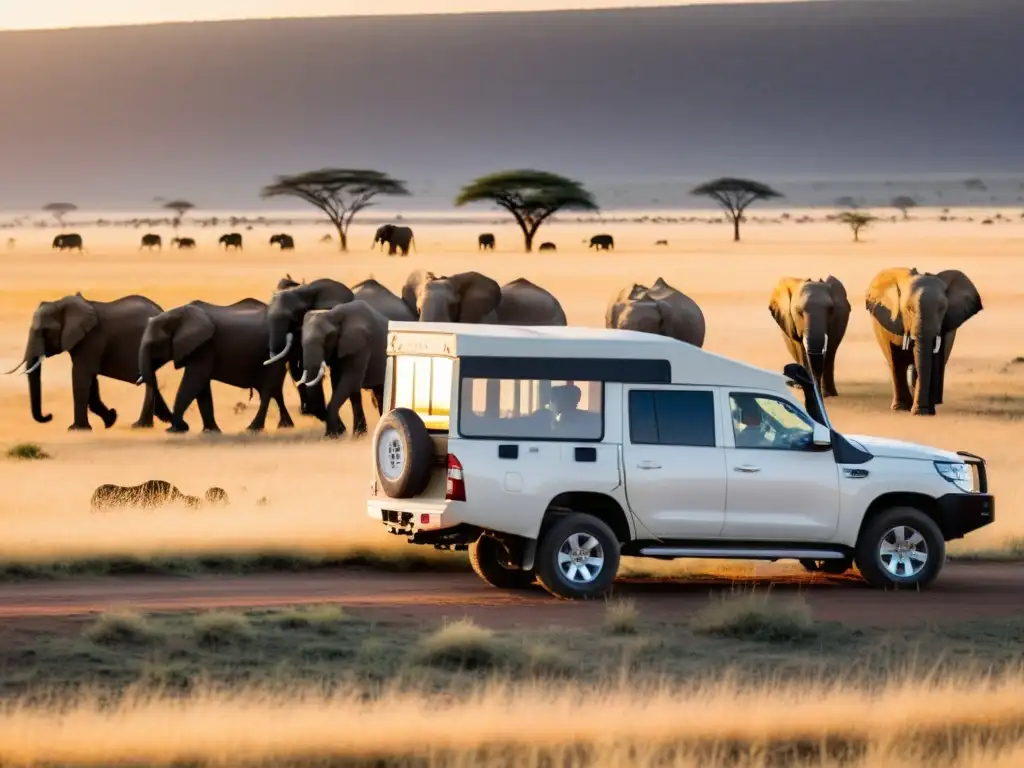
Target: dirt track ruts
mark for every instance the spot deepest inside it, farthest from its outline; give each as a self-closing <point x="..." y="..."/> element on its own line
<point x="962" y="592"/>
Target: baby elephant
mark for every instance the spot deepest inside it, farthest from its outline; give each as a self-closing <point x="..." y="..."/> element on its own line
<point x="152" y="494"/>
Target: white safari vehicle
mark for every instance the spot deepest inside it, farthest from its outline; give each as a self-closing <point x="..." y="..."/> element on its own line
<point x="548" y="452"/>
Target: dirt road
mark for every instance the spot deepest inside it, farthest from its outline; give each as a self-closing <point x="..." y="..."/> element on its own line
<point x="963" y="591"/>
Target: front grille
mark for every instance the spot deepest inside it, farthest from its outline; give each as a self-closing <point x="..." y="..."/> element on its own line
<point x="395" y="517"/>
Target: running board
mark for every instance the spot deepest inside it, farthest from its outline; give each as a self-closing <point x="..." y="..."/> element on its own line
<point x="753" y="553"/>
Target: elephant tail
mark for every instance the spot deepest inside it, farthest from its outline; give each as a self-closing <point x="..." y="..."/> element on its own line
<point x="250" y="394"/>
<point x="412" y="242"/>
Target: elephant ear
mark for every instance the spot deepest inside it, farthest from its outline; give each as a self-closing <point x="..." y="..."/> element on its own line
<point x="351" y="338"/>
<point x="194" y="329"/>
<point x="882" y="299"/>
<point x="963" y="297"/>
<point x="839" y="298"/>
<point x="412" y="287"/>
<point x="479" y="295"/>
<point x="779" y="306"/>
<point x="79" y="318"/>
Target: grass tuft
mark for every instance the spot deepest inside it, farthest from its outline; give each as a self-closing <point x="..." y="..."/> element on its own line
<point x="621" y="617"/>
<point x="27" y="452"/>
<point x="221" y="630"/>
<point x="465" y="645"/>
<point x="748" y="616"/>
<point x="121" y="629"/>
<point x="319" y="617"/>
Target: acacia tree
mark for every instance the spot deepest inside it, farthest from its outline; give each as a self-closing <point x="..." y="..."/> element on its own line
<point x="532" y="197"/>
<point x="735" y="196"/>
<point x="903" y="203"/>
<point x="180" y="207"/>
<point x="856" y="221"/>
<point x="340" y="193"/>
<point x="59" y="211"/>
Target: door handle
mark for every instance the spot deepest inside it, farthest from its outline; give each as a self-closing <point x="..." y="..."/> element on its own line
<point x="648" y="465"/>
<point x="746" y="468"/>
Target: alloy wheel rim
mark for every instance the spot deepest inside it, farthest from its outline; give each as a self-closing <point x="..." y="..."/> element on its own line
<point x="390" y="456"/>
<point x="581" y="558"/>
<point x="903" y="552"/>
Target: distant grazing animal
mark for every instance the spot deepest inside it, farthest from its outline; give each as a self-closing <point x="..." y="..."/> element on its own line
<point x="662" y="242"/>
<point x="602" y="242"/>
<point x="660" y="309"/>
<point x="152" y="494"/>
<point x="232" y="240"/>
<point x="152" y="241"/>
<point x="183" y="243"/>
<point x="548" y="247"/>
<point x="813" y="315"/>
<point x="284" y="242"/>
<point x="326" y="239"/>
<point x="71" y="242"/>
<point x="11" y="243"/>
<point x="485" y="242"/>
<point x="397" y="238"/>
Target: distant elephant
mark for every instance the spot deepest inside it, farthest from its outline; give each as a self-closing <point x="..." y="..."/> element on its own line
<point x="384" y="301"/>
<point x="287" y="308"/>
<point x="916" y="319"/>
<point x="471" y="297"/>
<point x="284" y="242"/>
<point x="152" y="241"/>
<point x="602" y="242"/>
<point x="103" y="339"/>
<point x="548" y="247"/>
<point x="183" y="243"/>
<point x="813" y="315"/>
<point x="660" y="309"/>
<point x="351" y="341"/>
<point x="72" y="242"/>
<point x="214" y="343"/>
<point x="663" y="243"/>
<point x="232" y="240"/>
<point x="397" y="238"/>
<point x="485" y="242"/>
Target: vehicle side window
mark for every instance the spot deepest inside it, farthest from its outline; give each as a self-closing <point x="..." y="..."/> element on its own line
<point x="532" y="409"/>
<point x="663" y="417"/>
<point x="762" y="421"/>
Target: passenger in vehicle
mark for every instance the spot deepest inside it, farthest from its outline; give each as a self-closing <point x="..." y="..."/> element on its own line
<point x="747" y="423"/>
<point x="570" y="422"/>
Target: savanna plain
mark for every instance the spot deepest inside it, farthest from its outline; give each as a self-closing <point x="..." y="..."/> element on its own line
<point x="757" y="674"/>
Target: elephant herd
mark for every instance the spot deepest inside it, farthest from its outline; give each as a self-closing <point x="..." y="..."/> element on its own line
<point x="312" y="330"/>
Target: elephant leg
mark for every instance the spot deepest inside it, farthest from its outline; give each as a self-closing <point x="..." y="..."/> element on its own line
<point x="284" y="420"/>
<point x="259" y="422"/>
<point x="902" y="365"/>
<point x="335" y="426"/>
<point x="160" y="409"/>
<point x="109" y="415"/>
<point x="378" y="399"/>
<point x="81" y="387"/>
<point x="205" y="402"/>
<point x="829" y="372"/>
<point x="358" y="414"/>
<point x="148" y="406"/>
<point x="192" y="384"/>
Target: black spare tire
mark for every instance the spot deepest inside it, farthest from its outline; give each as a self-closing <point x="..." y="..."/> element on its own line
<point x="403" y="454"/>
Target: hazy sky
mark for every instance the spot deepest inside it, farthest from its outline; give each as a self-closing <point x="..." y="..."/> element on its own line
<point x="25" y="14"/>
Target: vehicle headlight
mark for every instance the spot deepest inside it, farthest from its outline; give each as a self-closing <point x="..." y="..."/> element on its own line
<point x="958" y="474"/>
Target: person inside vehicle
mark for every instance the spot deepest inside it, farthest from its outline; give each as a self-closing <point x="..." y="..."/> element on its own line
<point x="569" y="420"/>
<point x="748" y="423"/>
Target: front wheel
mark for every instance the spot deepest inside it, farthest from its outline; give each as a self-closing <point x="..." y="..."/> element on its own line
<point x="901" y="548"/>
<point x="578" y="558"/>
<point x="490" y="561"/>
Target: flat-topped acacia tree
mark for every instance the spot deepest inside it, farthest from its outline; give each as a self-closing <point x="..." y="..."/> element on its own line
<point x="59" y="211"/>
<point x="340" y="193"/>
<point x="532" y="197"/>
<point x="735" y="196"/>
<point x="180" y="207"/>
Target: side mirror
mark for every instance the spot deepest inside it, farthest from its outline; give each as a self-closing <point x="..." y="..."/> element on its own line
<point x="822" y="437"/>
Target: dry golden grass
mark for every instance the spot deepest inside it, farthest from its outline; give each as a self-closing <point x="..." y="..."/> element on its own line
<point x="316" y="489"/>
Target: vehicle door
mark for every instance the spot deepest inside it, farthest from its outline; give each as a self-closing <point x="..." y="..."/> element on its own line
<point x="781" y="487"/>
<point x="674" y="460"/>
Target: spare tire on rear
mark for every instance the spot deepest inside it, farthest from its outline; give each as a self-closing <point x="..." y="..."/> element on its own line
<point x="403" y="453"/>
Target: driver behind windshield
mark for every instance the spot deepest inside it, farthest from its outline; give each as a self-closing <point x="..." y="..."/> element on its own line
<point x="748" y="422"/>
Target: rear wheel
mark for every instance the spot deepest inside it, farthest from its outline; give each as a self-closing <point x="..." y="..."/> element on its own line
<point x="491" y="562"/>
<point x="901" y="548"/>
<point x="578" y="558"/>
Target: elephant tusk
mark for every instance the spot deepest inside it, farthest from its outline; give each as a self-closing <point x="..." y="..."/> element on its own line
<point x="938" y="345"/>
<point x="824" y="348"/>
<point x="139" y="381"/>
<point x="283" y="353"/>
<point x="301" y="381"/>
<point x="319" y="376"/>
<point x="39" y="362"/>
<point x="906" y="341"/>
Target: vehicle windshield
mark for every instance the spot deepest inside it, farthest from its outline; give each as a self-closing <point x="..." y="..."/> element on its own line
<point x="424" y="384"/>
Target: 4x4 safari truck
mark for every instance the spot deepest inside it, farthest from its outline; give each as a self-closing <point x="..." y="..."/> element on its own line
<point x="548" y="452"/>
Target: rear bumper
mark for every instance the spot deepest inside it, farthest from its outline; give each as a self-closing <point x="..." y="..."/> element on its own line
<point x="407" y="516"/>
<point x="962" y="513"/>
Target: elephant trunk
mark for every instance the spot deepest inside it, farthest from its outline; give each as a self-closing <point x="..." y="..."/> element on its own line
<point x="924" y="363"/>
<point x="147" y="365"/>
<point x="281" y="339"/>
<point x="35" y="392"/>
<point x="313" y="368"/>
<point x="815" y="346"/>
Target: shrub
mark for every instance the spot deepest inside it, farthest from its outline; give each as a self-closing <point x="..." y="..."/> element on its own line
<point x="27" y="452"/>
<point x="321" y="617"/>
<point x="621" y="617"/>
<point x="747" y="616"/>
<point x="220" y="630"/>
<point x="121" y="629"/>
<point x="465" y="645"/>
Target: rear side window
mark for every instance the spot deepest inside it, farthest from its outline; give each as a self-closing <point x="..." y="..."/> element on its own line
<point x="424" y="385"/>
<point x="532" y="409"/>
<point x="660" y="417"/>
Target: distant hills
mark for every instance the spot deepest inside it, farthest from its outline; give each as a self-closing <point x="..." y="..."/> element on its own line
<point x="631" y="99"/>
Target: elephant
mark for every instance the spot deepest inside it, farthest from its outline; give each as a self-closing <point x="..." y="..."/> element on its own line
<point x="214" y="343"/>
<point x="397" y="238"/>
<point x="183" y="243"/>
<point x="660" y="309"/>
<point x="232" y="240"/>
<point x="152" y="241"/>
<point x="548" y="247"/>
<point x="350" y="340"/>
<point x="917" y="315"/>
<point x="470" y="297"/>
<point x="813" y="315"/>
<point x="103" y="339"/>
<point x="284" y="242"/>
<point x="602" y="242"/>
<point x="486" y="242"/>
<point x="72" y="242"/>
<point x="384" y="301"/>
<point x="662" y="243"/>
<point x="287" y="308"/>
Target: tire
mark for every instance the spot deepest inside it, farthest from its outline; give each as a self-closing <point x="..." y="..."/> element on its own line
<point x="906" y="570"/>
<point x="567" y="532"/>
<point x="488" y="556"/>
<point x="831" y="567"/>
<point x="403" y="454"/>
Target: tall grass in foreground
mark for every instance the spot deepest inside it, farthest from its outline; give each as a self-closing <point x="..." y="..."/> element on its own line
<point x="952" y="722"/>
